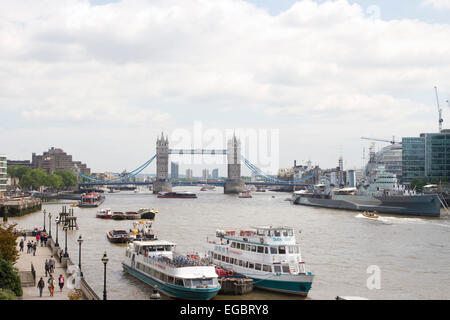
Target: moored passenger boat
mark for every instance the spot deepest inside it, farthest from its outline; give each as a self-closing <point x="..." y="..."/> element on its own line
<point x="104" y="214"/>
<point x="91" y="200"/>
<point x="156" y="263"/>
<point x="268" y="255"/>
<point x="182" y="195"/>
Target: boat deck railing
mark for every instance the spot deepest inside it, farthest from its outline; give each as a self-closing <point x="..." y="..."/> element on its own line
<point x="180" y="261"/>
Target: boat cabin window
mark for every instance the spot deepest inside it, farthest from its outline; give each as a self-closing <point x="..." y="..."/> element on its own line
<point x="258" y="266"/>
<point x="282" y="250"/>
<point x="179" y="282"/>
<point x="251" y="265"/>
<point x="267" y="268"/>
<point x="198" y="283"/>
<point x="285" y="268"/>
<point x="277" y="269"/>
<point x="253" y="248"/>
<point x="273" y="250"/>
<point x="277" y="233"/>
<point x="260" y="249"/>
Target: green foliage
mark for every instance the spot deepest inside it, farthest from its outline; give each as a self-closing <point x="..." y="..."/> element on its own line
<point x="69" y="179"/>
<point x="8" y="245"/>
<point x="9" y="278"/>
<point x="418" y="184"/>
<point x="17" y="171"/>
<point x="54" y="181"/>
<point x="6" y="294"/>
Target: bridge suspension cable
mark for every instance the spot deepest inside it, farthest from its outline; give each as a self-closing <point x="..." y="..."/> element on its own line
<point x="260" y="173"/>
<point x="121" y="178"/>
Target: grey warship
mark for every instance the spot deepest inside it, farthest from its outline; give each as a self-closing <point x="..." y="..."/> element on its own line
<point x="383" y="195"/>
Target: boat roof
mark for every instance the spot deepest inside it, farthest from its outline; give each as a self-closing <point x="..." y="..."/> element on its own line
<point x="154" y="243"/>
<point x="430" y="186"/>
<point x="271" y="227"/>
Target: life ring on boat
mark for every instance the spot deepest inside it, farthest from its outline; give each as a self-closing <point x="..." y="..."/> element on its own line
<point x="230" y="273"/>
<point x="261" y="240"/>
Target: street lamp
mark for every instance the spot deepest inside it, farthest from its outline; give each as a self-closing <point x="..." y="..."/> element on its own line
<point x="57" y="224"/>
<point x="66" y="226"/>
<point x="105" y="261"/>
<point x="80" y="241"/>
<point x="49" y="225"/>
<point x="44" y="219"/>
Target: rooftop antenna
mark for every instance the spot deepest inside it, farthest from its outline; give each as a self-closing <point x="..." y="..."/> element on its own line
<point x="439" y="109"/>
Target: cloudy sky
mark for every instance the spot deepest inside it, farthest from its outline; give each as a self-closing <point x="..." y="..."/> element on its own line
<point x="100" y="79"/>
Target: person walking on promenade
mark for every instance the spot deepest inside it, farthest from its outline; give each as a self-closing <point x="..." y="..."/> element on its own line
<point x="24" y="236"/>
<point x="47" y="268"/>
<point x="28" y="246"/>
<point x="34" y="248"/>
<point x="61" y="253"/>
<point x="51" y="263"/>
<point x="21" y="245"/>
<point x="41" y="285"/>
<point x="45" y="240"/>
<point x="61" y="282"/>
<point x="51" y="285"/>
<point x="37" y="237"/>
<point x="41" y="238"/>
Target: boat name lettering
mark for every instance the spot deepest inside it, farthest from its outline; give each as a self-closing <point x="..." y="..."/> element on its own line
<point x="281" y="239"/>
<point x="235" y="252"/>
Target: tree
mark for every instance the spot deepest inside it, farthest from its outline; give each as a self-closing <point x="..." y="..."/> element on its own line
<point x="9" y="278"/>
<point x="55" y="181"/>
<point x="8" y="245"/>
<point x="68" y="177"/>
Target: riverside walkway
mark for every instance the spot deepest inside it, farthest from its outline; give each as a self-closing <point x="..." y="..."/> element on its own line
<point x="23" y="264"/>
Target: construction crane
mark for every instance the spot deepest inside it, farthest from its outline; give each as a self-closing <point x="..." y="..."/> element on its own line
<point x="439" y="110"/>
<point x="382" y="140"/>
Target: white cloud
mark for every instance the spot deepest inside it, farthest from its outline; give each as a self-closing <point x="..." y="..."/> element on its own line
<point x="161" y="63"/>
<point x="439" y="4"/>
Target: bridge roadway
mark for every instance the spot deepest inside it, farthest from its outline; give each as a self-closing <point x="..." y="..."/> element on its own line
<point x="191" y="183"/>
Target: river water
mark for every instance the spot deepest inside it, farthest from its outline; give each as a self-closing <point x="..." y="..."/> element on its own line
<point x="400" y="257"/>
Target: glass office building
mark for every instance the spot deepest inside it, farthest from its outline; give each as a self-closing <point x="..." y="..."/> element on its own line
<point x="427" y="156"/>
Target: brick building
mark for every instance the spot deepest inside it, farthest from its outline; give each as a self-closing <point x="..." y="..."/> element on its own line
<point x="55" y="160"/>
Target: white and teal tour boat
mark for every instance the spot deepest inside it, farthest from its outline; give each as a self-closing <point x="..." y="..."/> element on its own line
<point x="181" y="277"/>
<point x="268" y="255"/>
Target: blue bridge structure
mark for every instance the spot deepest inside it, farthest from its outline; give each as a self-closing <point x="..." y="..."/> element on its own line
<point x="233" y="184"/>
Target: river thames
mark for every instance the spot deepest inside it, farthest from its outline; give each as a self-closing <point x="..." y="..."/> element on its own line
<point x="340" y="248"/>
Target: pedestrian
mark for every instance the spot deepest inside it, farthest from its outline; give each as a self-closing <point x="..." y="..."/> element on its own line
<point x="28" y="246"/>
<point x="47" y="268"/>
<point x="61" y="252"/>
<point x="51" y="285"/>
<point x="45" y="240"/>
<point x="41" y="285"/>
<point x="61" y="282"/>
<point x="24" y="236"/>
<point x="37" y="237"/>
<point x="52" y="264"/>
<point x="34" y="248"/>
<point x="42" y="240"/>
<point x="21" y="245"/>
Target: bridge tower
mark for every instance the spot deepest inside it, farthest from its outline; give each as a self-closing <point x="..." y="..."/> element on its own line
<point x="162" y="183"/>
<point x="234" y="183"/>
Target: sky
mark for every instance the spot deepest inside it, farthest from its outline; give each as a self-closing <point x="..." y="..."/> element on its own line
<point x="102" y="79"/>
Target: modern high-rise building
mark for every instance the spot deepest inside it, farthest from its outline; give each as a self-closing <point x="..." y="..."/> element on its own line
<point x="426" y="157"/>
<point x="56" y="160"/>
<point x="174" y="167"/>
<point x="3" y="174"/>
<point x="189" y="173"/>
<point x="205" y="174"/>
<point x="215" y="173"/>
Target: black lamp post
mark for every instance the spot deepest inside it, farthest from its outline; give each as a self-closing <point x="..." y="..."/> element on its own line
<point x="80" y="241"/>
<point x="44" y="219"/>
<point x="105" y="261"/>
<point x="57" y="224"/>
<point x="66" y="226"/>
<point x="49" y="225"/>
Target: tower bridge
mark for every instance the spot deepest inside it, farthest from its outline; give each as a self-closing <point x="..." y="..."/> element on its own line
<point x="233" y="183"/>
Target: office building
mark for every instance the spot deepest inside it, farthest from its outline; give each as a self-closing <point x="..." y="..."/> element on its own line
<point x="205" y="174"/>
<point x="56" y="160"/>
<point x="215" y="173"/>
<point x="426" y="157"/>
<point x="189" y="173"/>
<point x="174" y="167"/>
